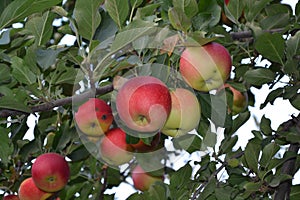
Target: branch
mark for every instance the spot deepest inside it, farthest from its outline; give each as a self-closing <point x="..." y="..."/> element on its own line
<point x="60" y="102"/>
<point x="284" y="188"/>
<point x="248" y="34"/>
<point x="214" y="174"/>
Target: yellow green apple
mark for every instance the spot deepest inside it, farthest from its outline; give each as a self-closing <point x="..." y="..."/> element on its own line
<point x="206" y="67"/>
<point x="185" y="113"/>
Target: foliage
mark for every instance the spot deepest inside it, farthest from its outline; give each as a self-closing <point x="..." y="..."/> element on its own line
<point x="39" y="76"/>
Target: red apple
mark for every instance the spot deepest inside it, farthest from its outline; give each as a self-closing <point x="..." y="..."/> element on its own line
<point x="185" y="113"/>
<point x="50" y="172"/>
<point x="205" y="68"/>
<point x="240" y="99"/>
<point x="113" y="147"/>
<point x="142" y="147"/>
<point x="29" y="191"/>
<point x="143" y="104"/>
<point x="94" y="117"/>
<point x="143" y="180"/>
<point x="11" y="197"/>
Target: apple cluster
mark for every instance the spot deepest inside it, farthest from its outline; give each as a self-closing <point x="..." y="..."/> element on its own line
<point x="49" y="174"/>
<point x="145" y="107"/>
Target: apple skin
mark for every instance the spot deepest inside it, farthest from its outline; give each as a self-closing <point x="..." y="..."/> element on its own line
<point x="11" y="197"/>
<point x="143" y="104"/>
<point x="94" y="117"/>
<point x="185" y="113"/>
<point x="29" y="191"/>
<point x="240" y="100"/>
<point x="142" y="180"/>
<point x="205" y="68"/>
<point x="141" y="147"/>
<point x="50" y="172"/>
<point x="113" y="147"/>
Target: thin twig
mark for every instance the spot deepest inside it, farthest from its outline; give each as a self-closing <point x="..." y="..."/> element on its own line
<point x="60" y="102"/>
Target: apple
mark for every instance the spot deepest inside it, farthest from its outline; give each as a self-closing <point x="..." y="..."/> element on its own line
<point x="240" y="99"/>
<point x="29" y="191"/>
<point x="185" y="113"/>
<point x="94" y="117"/>
<point x="141" y="147"/>
<point x="50" y="172"/>
<point x="143" y="180"/>
<point x="11" y="197"/>
<point x="143" y="104"/>
<point x="113" y="147"/>
<point x="205" y="68"/>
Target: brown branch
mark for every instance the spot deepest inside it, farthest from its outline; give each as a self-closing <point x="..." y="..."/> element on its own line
<point x="60" y="102"/>
<point x="284" y="188"/>
<point x="248" y="34"/>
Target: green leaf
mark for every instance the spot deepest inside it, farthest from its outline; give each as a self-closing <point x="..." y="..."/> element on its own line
<point x="253" y="187"/>
<point x="272" y="96"/>
<point x="181" y="177"/>
<point x="179" y="20"/>
<point x="208" y="16"/>
<point x="267" y="154"/>
<point x="265" y="126"/>
<point x="188" y="142"/>
<point x="10" y="102"/>
<point x="47" y="57"/>
<point x="295" y="101"/>
<point x="5" y="75"/>
<point x="118" y="10"/>
<point x="271" y="46"/>
<point x="251" y="154"/>
<point x="6" y="148"/>
<point x="234" y="10"/>
<point x="20" y="9"/>
<point x="3" y="4"/>
<point x="21" y="72"/>
<point x="240" y="120"/>
<point x="278" y="16"/>
<point x="253" y="8"/>
<point x="136" y="3"/>
<point x="87" y="17"/>
<point x="189" y="7"/>
<point x="259" y="76"/>
<point x="41" y="27"/>
<point x="276" y="180"/>
<point x="293" y="46"/>
<point x="295" y="191"/>
<point x="228" y="143"/>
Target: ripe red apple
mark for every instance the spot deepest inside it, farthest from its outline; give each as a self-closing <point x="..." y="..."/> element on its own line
<point x="143" y="180"/>
<point x="94" y="117"/>
<point x="185" y="113"/>
<point x="11" y="197"/>
<point x="205" y="68"/>
<point x="141" y="147"/>
<point x="143" y="104"/>
<point x="113" y="147"/>
<point x="50" y="172"/>
<point x="240" y="99"/>
<point x="29" y="191"/>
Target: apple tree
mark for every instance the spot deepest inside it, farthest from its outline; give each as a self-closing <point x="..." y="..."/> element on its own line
<point x="56" y="55"/>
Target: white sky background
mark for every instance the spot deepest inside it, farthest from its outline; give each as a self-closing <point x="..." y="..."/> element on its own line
<point x="278" y="113"/>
